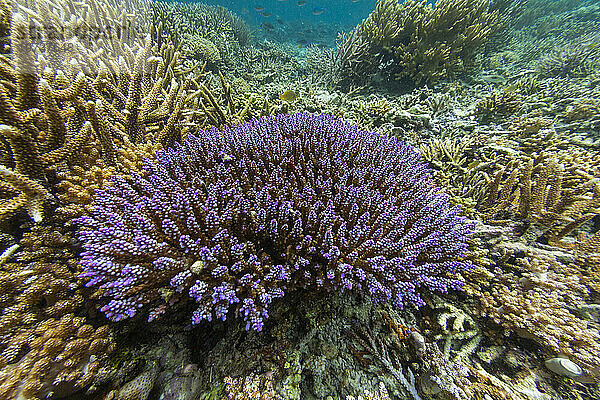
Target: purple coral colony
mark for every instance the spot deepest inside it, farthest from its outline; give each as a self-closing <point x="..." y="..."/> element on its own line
<point x="237" y="217"/>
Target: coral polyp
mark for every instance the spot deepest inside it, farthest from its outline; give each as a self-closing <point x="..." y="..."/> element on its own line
<point x="236" y="218"/>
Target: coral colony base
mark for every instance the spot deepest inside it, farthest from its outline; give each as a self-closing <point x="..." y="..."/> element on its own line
<point x="236" y="218"/>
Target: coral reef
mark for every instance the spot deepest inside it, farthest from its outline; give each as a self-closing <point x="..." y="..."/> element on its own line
<point x="560" y="201"/>
<point x="499" y="103"/>
<point x="234" y="217"/>
<point x="351" y="62"/>
<point x="45" y="345"/>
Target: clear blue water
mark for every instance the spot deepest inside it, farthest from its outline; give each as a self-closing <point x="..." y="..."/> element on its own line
<point x="344" y="12"/>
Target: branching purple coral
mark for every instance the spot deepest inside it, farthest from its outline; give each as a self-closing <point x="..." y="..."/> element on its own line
<point x="234" y="219"/>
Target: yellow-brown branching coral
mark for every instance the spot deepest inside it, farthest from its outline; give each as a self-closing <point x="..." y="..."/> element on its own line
<point x="559" y="199"/>
<point x="178" y="19"/>
<point x="537" y="301"/>
<point x="462" y="175"/>
<point x="499" y="104"/>
<point x="71" y="117"/>
<point x="33" y="150"/>
<point x="31" y="195"/>
<point x="426" y="43"/>
<point x="62" y="134"/>
<point x="45" y="343"/>
<point x="219" y="105"/>
<point x="47" y="115"/>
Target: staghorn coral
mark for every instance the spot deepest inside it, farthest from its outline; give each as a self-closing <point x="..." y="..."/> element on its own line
<point x="426" y="43"/>
<point x="63" y="134"/>
<point x="374" y="111"/>
<point x="499" y="103"/>
<point x="116" y="93"/>
<point x="41" y="293"/>
<point x="179" y="18"/>
<point x="461" y="167"/>
<point x="557" y="198"/>
<point x="567" y="61"/>
<point x="351" y="62"/>
<point x="218" y="106"/>
<point x="240" y="216"/>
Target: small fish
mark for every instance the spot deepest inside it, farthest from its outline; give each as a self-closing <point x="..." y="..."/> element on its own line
<point x="299" y="46"/>
<point x="474" y="164"/>
<point x="258" y="8"/>
<point x="303" y="41"/>
<point x="288" y="95"/>
<point x="266" y="14"/>
<point x="301" y="3"/>
<point x="245" y="10"/>
<point x="279" y="21"/>
<point x="318" y="10"/>
<point x="355" y="1"/>
<point x="511" y="88"/>
<point x="268" y="26"/>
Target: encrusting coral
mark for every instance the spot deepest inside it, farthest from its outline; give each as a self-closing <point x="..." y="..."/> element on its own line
<point x="240" y="216"/>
